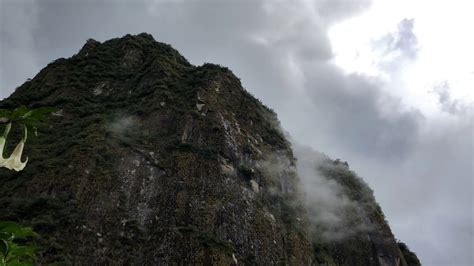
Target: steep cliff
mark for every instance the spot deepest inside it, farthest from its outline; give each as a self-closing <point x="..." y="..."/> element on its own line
<point x="151" y="160"/>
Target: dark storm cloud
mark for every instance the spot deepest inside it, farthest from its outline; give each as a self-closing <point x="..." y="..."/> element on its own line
<point x="420" y="170"/>
<point x="337" y="10"/>
<point x="354" y="108"/>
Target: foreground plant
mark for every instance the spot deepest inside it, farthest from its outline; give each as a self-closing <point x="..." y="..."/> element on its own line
<point x="13" y="248"/>
<point x="30" y="120"/>
<point x="12" y="253"/>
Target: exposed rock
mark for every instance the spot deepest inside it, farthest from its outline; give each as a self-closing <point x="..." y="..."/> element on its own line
<point x="199" y="106"/>
<point x="255" y="186"/>
<point x="164" y="186"/>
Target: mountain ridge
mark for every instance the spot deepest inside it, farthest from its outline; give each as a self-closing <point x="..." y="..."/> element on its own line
<point x="152" y="160"/>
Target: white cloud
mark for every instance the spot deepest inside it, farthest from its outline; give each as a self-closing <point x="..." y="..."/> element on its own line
<point x="443" y="54"/>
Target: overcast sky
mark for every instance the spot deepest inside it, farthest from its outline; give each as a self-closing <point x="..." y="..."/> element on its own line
<point x="385" y="85"/>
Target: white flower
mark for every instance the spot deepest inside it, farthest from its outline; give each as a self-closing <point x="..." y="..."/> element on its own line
<point x="3" y="139"/>
<point x="14" y="161"/>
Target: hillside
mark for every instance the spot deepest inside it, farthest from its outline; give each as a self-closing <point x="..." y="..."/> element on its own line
<point x="151" y="160"/>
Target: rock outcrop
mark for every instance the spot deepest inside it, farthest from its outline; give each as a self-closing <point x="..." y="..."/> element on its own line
<point x="154" y="161"/>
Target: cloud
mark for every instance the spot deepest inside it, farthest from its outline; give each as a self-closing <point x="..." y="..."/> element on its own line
<point x="436" y="182"/>
<point x="334" y="11"/>
<point x="17" y="45"/>
<point x="359" y="116"/>
<point x="121" y="125"/>
<point x="394" y="49"/>
<point x="333" y="215"/>
<point x="420" y="168"/>
<point x="449" y="105"/>
<point x="406" y="40"/>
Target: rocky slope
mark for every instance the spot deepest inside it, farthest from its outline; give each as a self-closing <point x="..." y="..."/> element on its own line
<point x="154" y="161"/>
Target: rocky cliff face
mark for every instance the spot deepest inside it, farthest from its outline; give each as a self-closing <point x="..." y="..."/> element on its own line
<point x="154" y="161"/>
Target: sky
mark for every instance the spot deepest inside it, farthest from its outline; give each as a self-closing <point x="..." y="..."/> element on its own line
<point x="384" y="85"/>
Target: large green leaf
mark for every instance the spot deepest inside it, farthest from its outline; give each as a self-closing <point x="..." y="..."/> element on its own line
<point x="16" y="230"/>
<point x="22" y="251"/>
<point x="40" y="113"/>
<point x="32" y="125"/>
<point x="30" y="119"/>
<point x="21" y="255"/>
<point x="19" y="112"/>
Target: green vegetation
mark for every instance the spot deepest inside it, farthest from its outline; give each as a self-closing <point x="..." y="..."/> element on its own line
<point x="12" y="251"/>
<point x="30" y="119"/>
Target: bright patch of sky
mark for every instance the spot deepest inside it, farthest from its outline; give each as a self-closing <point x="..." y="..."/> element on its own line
<point x="435" y="66"/>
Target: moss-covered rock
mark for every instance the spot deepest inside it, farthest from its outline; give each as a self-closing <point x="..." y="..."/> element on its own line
<point x="151" y="160"/>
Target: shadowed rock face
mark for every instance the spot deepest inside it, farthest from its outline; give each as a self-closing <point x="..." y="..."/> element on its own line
<point x="153" y="161"/>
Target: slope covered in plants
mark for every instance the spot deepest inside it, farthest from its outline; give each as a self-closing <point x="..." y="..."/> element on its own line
<point x="151" y="160"/>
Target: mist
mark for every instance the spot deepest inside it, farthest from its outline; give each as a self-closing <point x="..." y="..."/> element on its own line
<point x="333" y="215"/>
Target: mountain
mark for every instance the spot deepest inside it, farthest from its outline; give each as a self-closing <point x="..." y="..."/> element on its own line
<point x="153" y="161"/>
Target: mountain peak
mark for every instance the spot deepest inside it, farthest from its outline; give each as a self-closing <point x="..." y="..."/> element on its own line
<point x="153" y="161"/>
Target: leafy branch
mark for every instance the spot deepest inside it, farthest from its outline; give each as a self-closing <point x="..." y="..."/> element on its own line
<point x="30" y="119"/>
<point x="12" y="253"/>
